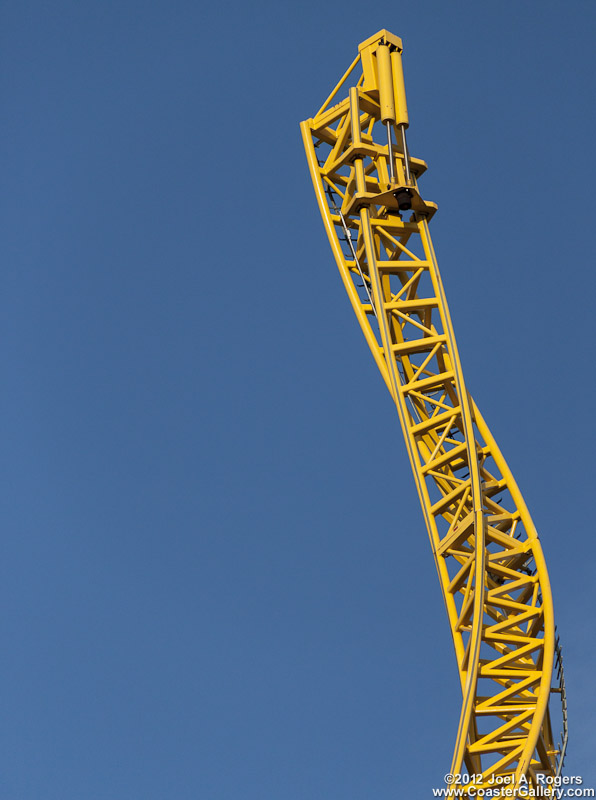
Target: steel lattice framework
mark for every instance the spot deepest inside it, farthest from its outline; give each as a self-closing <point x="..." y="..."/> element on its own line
<point x="489" y="559"/>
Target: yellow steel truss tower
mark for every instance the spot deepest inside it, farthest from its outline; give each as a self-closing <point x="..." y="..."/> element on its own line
<point x="490" y="563"/>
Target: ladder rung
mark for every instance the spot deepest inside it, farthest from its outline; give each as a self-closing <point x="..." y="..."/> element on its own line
<point x="417" y="345"/>
<point x="435" y="422"/>
<point x="400" y="266"/>
<point x="430" y="382"/>
<point x="411" y="305"/>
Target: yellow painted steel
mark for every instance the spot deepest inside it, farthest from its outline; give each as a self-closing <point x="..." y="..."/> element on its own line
<point x="386" y="95"/>
<point x="489" y="560"/>
<point x="399" y="88"/>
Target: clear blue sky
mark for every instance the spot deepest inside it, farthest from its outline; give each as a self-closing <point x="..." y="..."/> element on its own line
<point x="215" y="581"/>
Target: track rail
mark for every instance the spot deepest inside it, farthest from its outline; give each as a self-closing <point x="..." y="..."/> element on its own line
<point x="489" y="560"/>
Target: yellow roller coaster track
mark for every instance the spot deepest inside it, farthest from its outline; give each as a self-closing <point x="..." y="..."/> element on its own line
<point x="490" y="563"/>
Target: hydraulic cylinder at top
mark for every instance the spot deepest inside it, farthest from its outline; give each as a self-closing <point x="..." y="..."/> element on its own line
<point x="386" y="94"/>
<point x="401" y="106"/>
<point x="399" y="89"/>
<point x="386" y="98"/>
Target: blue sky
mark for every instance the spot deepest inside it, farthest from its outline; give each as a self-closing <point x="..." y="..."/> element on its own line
<point x="215" y="580"/>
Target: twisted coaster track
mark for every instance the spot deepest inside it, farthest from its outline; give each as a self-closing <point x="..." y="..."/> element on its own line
<point x="488" y="556"/>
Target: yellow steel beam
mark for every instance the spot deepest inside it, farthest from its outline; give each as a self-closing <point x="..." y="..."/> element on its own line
<point x="488" y="557"/>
